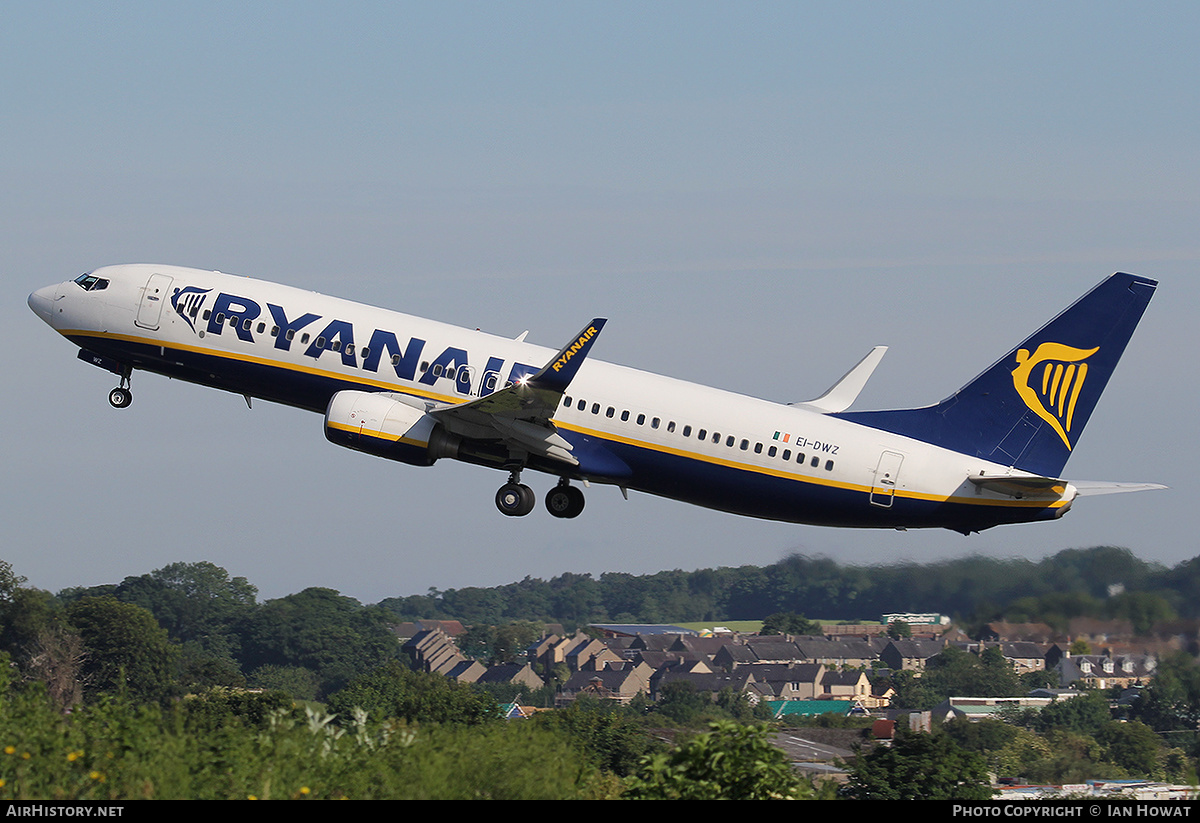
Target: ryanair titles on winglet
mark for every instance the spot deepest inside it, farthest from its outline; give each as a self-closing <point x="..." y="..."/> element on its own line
<point x="337" y="336"/>
<point x="573" y="349"/>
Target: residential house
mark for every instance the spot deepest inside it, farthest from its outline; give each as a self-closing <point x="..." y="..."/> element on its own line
<point x="1000" y="631"/>
<point x="620" y="684"/>
<point x="1105" y="671"/>
<point x="909" y="655"/>
<point x="520" y="674"/>
<point x="466" y="671"/>
<point x="846" y="685"/>
<point x="793" y="681"/>
<point x="432" y="650"/>
<point x="740" y="681"/>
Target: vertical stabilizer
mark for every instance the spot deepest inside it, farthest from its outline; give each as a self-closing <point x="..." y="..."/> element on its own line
<point x="1030" y="407"/>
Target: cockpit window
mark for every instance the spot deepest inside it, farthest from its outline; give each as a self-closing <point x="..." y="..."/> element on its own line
<point x="90" y="282"/>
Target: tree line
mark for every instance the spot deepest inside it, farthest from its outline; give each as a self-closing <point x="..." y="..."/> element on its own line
<point x="193" y="624"/>
<point x="1106" y="582"/>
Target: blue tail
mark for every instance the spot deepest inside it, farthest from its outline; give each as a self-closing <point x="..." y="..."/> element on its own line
<point x="1029" y="409"/>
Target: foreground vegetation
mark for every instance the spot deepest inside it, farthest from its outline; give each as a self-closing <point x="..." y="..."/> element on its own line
<point x="179" y="684"/>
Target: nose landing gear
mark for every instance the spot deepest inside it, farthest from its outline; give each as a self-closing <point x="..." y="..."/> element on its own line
<point x="121" y="396"/>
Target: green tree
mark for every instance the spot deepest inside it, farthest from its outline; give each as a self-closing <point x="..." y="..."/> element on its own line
<point x="392" y="691"/>
<point x="728" y="762"/>
<point x="788" y="623"/>
<point x="318" y="629"/>
<point x="954" y="672"/>
<point x="1172" y="700"/>
<point x="683" y="703"/>
<point x="608" y="734"/>
<point x="1132" y="746"/>
<point x="196" y="602"/>
<point x="919" y="766"/>
<point x="1086" y="714"/>
<point x="126" y="649"/>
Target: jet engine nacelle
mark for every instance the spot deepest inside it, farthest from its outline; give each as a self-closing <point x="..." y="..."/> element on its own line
<point x="381" y="424"/>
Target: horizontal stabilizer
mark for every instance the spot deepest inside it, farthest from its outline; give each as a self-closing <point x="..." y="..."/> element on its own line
<point x="1087" y="488"/>
<point x="1022" y="487"/>
<point x="843" y="393"/>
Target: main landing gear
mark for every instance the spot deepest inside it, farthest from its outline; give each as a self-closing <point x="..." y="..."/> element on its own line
<point x="517" y="500"/>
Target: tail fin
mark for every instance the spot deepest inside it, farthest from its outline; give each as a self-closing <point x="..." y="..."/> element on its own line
<point x="1030" y="407"/>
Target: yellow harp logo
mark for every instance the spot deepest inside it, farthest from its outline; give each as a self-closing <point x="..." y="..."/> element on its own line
<point x="1050" y="381"/>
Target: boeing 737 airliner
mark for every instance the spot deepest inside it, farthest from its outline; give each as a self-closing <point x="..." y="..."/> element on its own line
<point x="416" y="391"/>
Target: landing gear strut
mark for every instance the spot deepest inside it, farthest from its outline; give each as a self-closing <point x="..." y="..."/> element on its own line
<point x="564" y="500"/>
<point x="514" y="498"/>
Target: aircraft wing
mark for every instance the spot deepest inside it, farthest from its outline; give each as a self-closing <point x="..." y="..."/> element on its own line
<point x="521" y="413"/>
<point x="844" y="392"/>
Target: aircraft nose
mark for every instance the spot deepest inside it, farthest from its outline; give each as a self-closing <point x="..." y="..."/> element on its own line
<point x="42" y="302"/>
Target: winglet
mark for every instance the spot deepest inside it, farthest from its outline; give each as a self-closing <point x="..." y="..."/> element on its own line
<point x="561" y="370"/>
<point x="844" y="392"/>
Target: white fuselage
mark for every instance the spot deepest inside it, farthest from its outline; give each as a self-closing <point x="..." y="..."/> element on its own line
<point x="678" y="439"/>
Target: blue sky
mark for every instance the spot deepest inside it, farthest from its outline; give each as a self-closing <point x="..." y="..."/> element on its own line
<point x="754" y="194"/>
